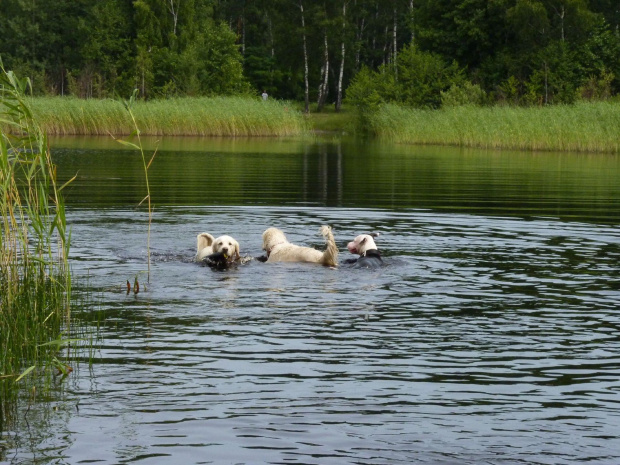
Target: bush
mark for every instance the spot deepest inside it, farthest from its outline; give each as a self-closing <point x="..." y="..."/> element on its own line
<point x="464" y="94"/>
<point x="596" y="87"/>
<point x="364" y="95"/>
<point x="422" y="76"/>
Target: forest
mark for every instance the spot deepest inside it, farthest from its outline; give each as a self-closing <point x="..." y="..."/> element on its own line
<point x="419" y="53"/>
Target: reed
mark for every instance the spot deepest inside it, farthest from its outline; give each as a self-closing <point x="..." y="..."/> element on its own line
<point x="129" y="107"/>
<point x="35" y="279"/>
<point x="200" y="116"/>
<point x="583" y="127"/>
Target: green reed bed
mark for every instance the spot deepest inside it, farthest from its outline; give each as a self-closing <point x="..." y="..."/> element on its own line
<point x="587" y="127"/>
<point x="35" y="278"/>
<point x="200" y="116"/>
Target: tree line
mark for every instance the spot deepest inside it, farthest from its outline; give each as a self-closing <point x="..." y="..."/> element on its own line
<point x="424" y="53"/>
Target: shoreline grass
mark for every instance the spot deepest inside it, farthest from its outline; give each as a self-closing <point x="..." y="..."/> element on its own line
<point x="200" y="116"/>
<point x="582" y="127"/>
<point x="36" y="282"/>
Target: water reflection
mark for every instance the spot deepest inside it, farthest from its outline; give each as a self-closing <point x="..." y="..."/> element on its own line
<point x="491" y="337"/>
<point x="350" y="174"/>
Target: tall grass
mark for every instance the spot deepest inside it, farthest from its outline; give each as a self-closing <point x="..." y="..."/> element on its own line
<point x="586" y="127"/>
<point x="35" y="279"/>
<point x="200" y="116"/>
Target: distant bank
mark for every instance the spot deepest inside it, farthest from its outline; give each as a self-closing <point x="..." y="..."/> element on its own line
<point x="585" y="127"/>
<point x="200" y="116"/>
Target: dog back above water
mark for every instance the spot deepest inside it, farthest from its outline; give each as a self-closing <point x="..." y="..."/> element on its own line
<point x="279" y="249"/>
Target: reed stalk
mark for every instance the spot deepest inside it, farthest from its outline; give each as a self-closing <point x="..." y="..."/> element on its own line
<point x="35" y="278"/>
<point x="198" y="116"/>
<point x="129" y="106"/>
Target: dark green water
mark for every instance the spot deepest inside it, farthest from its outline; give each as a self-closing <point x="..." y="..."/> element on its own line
<point x="491" y="336"/>
<point x="190" y="171"/>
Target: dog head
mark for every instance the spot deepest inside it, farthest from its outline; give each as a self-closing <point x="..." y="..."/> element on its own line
<point x="271" y="238"/>
<point x="362" y="243"/>
<point x="228" y="246"/>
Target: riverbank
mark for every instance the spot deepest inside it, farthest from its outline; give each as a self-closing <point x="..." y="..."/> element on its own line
<point x="200" y="116"/>
<point x="583" y="127"/>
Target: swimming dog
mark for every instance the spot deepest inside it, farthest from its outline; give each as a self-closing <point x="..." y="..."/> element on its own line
<point x="224" y="245"/>
<point x="279" y="249"/>
<point x="364" y="246"/>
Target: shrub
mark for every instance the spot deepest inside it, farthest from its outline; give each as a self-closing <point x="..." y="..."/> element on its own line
<point x="463" y="94"/>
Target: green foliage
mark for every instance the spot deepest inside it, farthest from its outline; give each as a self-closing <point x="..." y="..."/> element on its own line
<point x="422" y="76"/>
<point x="596" y="87"/>
<point x="463" y="94"/>
<point x="420" y="80"/>
<point x="364" y="94"/>
<point x="103" y="48"/>
<point x="223" y="70"/>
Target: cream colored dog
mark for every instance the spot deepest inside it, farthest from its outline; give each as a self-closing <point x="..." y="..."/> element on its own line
<point x="207" y="245"/>
<point x="279" y="249"/>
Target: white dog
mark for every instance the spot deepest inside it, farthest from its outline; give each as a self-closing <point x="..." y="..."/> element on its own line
<point x="207" y="245"/>
<point x="364" y="246"/>
<point x="279" y="249"/>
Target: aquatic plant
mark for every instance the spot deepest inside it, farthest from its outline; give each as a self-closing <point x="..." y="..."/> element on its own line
<point x="201" y="116"/>
<point x="35" y="278"/>
<point x="129" y="106"/>
<point x="585" y="126"/>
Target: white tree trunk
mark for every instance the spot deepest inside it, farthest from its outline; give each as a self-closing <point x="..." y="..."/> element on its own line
<point x="344" y="23"/>
<point x="174" y="11"/>
<point x="323" y="88"/>
<point x="358" y="47"/>
<point x="394" y="45"/>
<point x="307" y="88"/>
<point x="273" y="51"/>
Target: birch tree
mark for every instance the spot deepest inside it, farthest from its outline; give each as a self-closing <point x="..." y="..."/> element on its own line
<point x="342" y="55"/>
<point x="306" y="84"/>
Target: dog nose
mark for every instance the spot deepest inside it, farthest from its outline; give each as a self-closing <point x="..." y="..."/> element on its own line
<point x="225" y="249"/>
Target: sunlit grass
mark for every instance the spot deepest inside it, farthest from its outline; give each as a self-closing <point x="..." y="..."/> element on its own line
<point x="214" y="116"/>
<point x="586" y="127"/>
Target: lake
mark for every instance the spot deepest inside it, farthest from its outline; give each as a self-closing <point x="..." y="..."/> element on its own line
<point x="492" y="335"/>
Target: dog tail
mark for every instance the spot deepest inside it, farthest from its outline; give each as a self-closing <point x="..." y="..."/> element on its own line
<point x="204" y="240"/>
<point x="330" y="256"/>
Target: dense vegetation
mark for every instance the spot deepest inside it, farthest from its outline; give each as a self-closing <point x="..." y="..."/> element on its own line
<point x="581" y="127"/>
<point x="422" y="53"/>
<point x="180" y="116"/>
<point x="35" y="278"/>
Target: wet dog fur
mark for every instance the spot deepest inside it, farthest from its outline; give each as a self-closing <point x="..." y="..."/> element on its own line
<point x="207" y="245"/>
<point x="279" y="249"/>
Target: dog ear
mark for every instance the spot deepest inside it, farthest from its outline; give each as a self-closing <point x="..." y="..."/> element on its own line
<point x="237" y="250"/>
<point x="363" y="241"/>
<point x="374" y="234"/>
